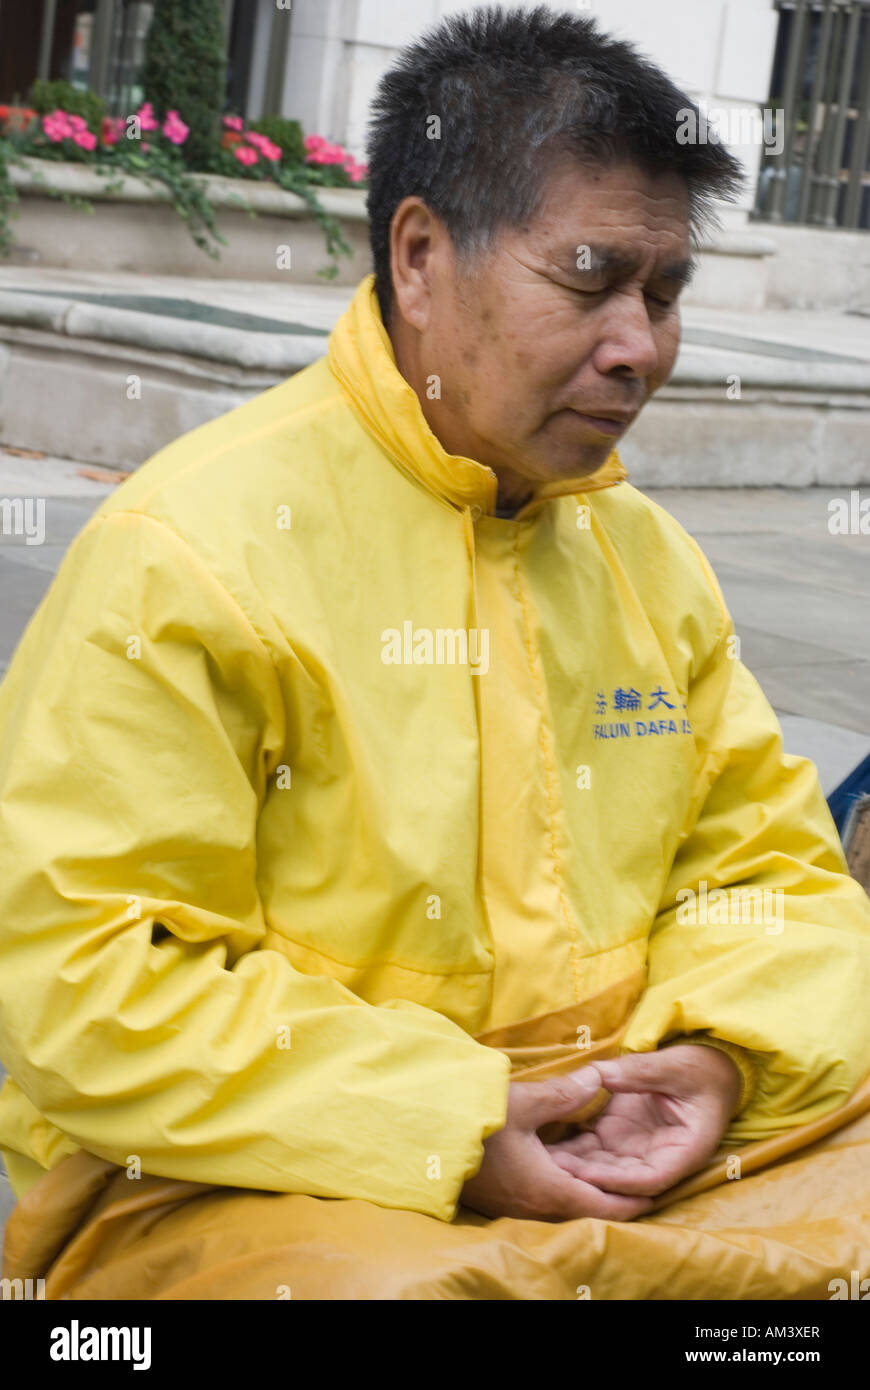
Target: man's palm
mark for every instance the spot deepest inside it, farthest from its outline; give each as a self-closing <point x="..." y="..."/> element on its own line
<point x="645" y="1139"/>
<point x="649" y="1138"/>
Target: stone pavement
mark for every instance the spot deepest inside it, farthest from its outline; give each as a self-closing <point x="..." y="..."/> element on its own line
<point x="800" y="598"/>
<point x="799" y="595"/>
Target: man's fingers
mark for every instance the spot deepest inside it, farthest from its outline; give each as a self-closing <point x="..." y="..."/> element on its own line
<point x="586" y="1144"/>
<point x="575" y="1198"/>
<point x="538" y="1102"/>
<point x="642" y="1071"/>
<point x="627" y="1176"/>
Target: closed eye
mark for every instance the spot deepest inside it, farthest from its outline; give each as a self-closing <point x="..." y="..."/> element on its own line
<point x="658" y="300"/>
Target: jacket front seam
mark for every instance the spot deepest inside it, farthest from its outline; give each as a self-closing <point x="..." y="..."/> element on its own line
<point x="551" y="779"/>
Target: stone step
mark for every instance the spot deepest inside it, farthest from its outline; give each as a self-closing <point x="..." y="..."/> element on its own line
<point x="766" y="399"/>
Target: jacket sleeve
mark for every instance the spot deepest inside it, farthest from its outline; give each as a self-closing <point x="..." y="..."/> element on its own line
<point x="140" y="723"/>
<point x="762" y="938"/>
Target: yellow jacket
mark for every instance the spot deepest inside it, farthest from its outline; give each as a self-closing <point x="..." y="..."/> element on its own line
<point x="327" y="796"/>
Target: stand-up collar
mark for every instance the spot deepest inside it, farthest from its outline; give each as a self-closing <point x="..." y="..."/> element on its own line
<point x="361" y="357"/>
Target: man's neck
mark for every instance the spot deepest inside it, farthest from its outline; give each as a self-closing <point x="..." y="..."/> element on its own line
<point x="506" y="510"/>
<point x="513" y="489"/>
<point x="507" y="503"/>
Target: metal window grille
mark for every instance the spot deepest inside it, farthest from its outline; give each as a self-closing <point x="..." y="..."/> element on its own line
<point x="821" y="83"/>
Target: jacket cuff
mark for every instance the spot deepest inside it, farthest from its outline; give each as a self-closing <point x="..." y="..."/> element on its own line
<point x="739" y="1056"/>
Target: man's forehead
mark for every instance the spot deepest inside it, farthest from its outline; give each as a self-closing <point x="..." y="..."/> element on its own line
<point x="619" y="207"/>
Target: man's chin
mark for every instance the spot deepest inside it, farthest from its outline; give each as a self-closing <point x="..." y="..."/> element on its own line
<point x="572" y="452"/>
<point x="577" y="464"/>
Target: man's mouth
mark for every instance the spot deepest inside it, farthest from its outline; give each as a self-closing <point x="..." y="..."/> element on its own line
<point x="612" y="424"/>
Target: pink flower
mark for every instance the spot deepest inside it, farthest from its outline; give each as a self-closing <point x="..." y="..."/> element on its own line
<point x="268" y="149"/>
<point x="320" y="151"/>
<point x="234" y="123"/>
<point x="174" y="128"/>
<point x="78" y="123"/>
<point x="355" y="171"/>
<point x="57" y="126"/>
<point x="146" y="117"/>
<point x="245" y="155"/>
<point x="326" y="154"/>
<point x="86" y="138"/>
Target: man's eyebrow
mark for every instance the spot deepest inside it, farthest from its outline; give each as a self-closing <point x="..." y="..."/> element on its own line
<point x="680" y="272"/>
<point x="591" y="260"/>
<point x="587" y="259"/>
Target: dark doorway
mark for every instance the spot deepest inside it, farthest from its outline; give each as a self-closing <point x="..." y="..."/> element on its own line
<point x="20" y="31"/>
<point x="240" y="53"/>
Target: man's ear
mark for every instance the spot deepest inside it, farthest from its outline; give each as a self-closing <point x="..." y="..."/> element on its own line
<point x="416" y="245"/>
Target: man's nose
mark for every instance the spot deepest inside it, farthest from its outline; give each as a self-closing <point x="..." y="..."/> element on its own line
<point x="628" y="342"/>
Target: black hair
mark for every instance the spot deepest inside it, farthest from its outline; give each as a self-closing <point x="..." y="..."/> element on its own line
<point x="511" y="89"/>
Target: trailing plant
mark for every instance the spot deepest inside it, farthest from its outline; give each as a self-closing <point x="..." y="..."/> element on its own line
<point x="8" y="196"/>
<point x="120" y="149"/>
<point x="262" y="158"/>
<point x="145" y="147"/>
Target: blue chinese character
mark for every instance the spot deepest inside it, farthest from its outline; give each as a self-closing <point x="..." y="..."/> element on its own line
<point x="659" y="699"/>
<point x="627" y="699"/>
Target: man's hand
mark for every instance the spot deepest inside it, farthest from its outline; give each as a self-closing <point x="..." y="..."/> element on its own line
<point x="667" y="1113"/>
<point x="521" y="1176"/>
